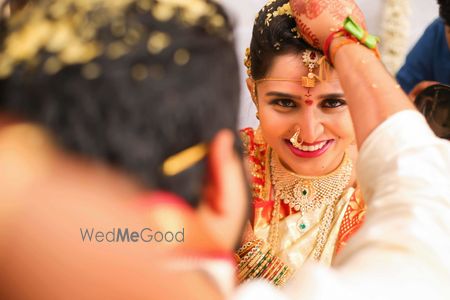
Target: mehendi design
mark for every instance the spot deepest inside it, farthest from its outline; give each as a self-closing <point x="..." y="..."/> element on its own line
<point x="311" y="9"/>
<point x="338" y="9"/>
<point x="344" y="8"/>
<point x="315" y="8"/>
<point x="307" y="34"/>
<point x="298" y="7"/>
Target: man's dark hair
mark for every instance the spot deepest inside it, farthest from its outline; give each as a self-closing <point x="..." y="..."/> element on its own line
<point x="273" y="36"/>
<point x="174" y="85"/>
<point x="444" y="10"/>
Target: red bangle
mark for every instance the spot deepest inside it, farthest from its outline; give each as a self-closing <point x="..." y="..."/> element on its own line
<point x="326" y="46"/>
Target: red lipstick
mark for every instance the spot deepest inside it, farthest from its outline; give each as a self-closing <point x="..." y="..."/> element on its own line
<point x="309" y="154"/>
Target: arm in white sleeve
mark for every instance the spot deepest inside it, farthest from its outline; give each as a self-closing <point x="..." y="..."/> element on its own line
<point x="403" y="249"/>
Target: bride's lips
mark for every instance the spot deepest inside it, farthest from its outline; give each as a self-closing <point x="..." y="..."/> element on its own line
<point x="310" y="154"/>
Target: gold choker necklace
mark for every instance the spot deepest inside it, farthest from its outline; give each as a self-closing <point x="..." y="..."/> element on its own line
<point x="303" y="193"/>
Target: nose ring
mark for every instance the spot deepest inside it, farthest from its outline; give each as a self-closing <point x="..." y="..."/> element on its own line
<point x="294" y="139"/>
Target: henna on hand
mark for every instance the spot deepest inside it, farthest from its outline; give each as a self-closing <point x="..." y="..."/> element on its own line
<point x="307" y="34"/>
<point x="317" y="18"/>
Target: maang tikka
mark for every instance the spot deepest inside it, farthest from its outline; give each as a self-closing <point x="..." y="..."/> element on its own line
<point x="311" y="61"/>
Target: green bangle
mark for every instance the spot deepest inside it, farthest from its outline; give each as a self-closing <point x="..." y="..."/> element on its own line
<point x="280" y="275"/>
<point x="264" y="268"/>
<point x="353" y="28"/>
<point x="258" y="265"/>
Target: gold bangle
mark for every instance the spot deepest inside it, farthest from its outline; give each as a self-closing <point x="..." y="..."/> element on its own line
<point x="280" y="275"/>
<point x="247" y="258"/>
<point x="245" y="269"/>
<point x="265" y="266"/>
<point x="269" y="266"/>
<point x="250" y="253"/>
<point x="249" y="246"/>
<point x="251" y="267"/>
<point x="258" y="266"/>
<point x="244" y="248"/>
<point x="277" y="265"/>
<point x="285" y="277"/>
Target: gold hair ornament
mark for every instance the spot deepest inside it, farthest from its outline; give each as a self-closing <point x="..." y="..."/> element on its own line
<point x="248" y="62"/>
<point x="183" y="160"/>
<point x="282" y="10"/>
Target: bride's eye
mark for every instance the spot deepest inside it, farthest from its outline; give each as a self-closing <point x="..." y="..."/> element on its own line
<point x="333" y="103"/>
<point x="283" y="103"/>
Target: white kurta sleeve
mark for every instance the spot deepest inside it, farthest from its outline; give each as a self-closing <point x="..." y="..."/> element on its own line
<point x="403" y="249"/>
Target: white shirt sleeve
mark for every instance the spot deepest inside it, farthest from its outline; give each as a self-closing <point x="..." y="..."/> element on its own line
<point x="403" y="249"/>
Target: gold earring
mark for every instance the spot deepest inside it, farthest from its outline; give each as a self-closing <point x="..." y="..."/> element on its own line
<point x="259" y="139"/>
<point x="254" y="92"/>
<point x="294" y="139"/>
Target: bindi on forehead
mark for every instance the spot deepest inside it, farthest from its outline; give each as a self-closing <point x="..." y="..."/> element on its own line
<point x="309" y="102"/>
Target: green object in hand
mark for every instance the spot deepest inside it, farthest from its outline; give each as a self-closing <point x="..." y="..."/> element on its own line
<point x="359" y="33"/>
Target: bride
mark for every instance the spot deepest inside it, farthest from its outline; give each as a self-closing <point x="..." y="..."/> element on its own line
<point x="306" y="203"/>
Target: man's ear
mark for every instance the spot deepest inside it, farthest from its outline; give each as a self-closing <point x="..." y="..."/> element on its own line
<point x="251" y="86"/>
<point x="224" y="204"/>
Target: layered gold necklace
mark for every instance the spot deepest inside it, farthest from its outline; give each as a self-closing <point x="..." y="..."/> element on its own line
<point x="306" y="193"/>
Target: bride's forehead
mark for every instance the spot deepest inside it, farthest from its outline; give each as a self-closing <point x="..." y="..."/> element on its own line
<point x="288" y="86"/>
<point x="292" y="64"/>
<point x="288" y="61"/>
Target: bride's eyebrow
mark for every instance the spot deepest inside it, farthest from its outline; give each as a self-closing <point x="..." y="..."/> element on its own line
<point x="331" y="96"/>
<point x="283" y="95"/>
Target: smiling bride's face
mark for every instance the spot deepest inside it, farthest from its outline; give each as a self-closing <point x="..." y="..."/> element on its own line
<point x="320" y="113"/>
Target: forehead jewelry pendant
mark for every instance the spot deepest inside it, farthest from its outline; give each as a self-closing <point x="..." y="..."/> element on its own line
<point x="310" y="60"/>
